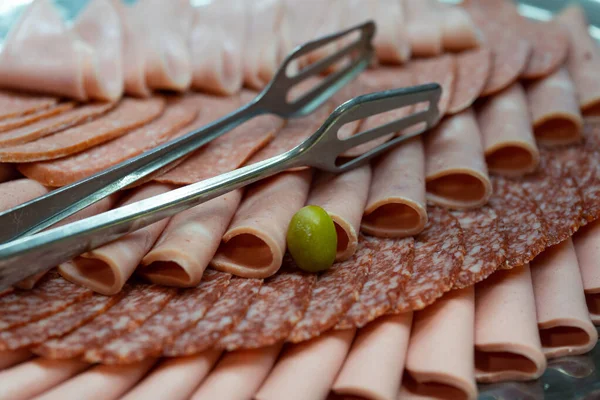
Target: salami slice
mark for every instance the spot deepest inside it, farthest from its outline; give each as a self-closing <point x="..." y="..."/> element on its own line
<point x="14" y="104"/>
<point x="129" y="114"/>
<point x="279" y="305"/>
<point x="219" y="321"/>
<point x="441" y="70"/>
<point x="550" y="46"/>
<point x="472" y="71"/>
<point x="140" y="302"/>
<point x="390" y="270"/>
<point x="17" y="122"/>
<point x="180" y="313"/>
<point x="57" y="324"/>
<point x="48" y="126"/>
<point x="484" y="243"/>
<point x="439" y="254"/>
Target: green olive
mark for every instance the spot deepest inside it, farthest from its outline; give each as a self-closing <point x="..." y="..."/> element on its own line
<point x="312" y="239"/>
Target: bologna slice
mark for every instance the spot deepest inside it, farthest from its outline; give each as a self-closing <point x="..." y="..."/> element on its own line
<point x="455" y="171"/>
<point x="587" y="246"/>
<point x="106" y="269"/>
<point x="81" y="165"/>
<point x="396" y="203"/>
<point x="374" y="365"/>
<point x="583" y="60"/>
<point x="562" y="315"/>
<point x="441" y="70"/>
<point x="424" y="29"/>
<point x="507" y="342"/>
<point x="343" y="196"/>
<point x="555" y="110"/>
<point x="15" y="104"/>
<point x="508" y="140"/>
<point x="254" y="244"/>
<point x="550" y="47"/>
<point x="440" y="352"/>
<point x="129" y="114"/>
<point x="472" y="71"/>
<point x="22" y="120"/>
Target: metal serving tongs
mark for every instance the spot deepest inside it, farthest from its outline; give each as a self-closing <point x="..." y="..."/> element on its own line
<point x="39" y="252"/>
<point x="43" y="212"/>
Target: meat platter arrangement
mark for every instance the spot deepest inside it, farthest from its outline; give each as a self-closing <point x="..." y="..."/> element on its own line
<point x="466" y="255"/>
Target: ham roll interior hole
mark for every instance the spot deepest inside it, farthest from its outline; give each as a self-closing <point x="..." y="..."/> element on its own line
<point x="592" y="110"/>
<point x="95" y="273"/>
<point x="564" y="336"/>
<point x="511" y="158"/>
<point x="593" y="303"/>
<point x="502" y="361"/>
<point x="167" y="272"/>
<point x="433" y="390"/>
<point x="558" y="129"/>
<point x="392" y="217"/>
<point x="237" y="249"/>
<point x="343" y="239"/>
<point x="457" y="187"/>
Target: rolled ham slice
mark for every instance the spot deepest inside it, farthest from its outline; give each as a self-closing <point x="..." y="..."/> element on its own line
<point x="587" y="247"/>
<point x="19" y="191"/>
<point x="456" y="174"/>
<point x="396" y="203"/>
<point x="317" y="361"/>
<point x="106" y="269"/>
<point x="177" y="259"/>
<point x="562" y="315"/>
<point x="555" y="110"/>
<point x="343" y="196"/>
<point x="440" y="352"/>
<point x="507" y="342"/>
<point x="424" y="28"/>
<point x="583" y="60"/>
<point x="254" y="244"/>
<point x="459" y="32"/>
<point x="508" y="140"/>
<point x="373" y="368"/>
<point x="13" y="357"/>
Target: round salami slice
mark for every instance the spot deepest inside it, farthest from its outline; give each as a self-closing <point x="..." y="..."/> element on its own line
<point x="439" y="254"/>
<point x="334" y="293"/>
<point x="550" y="46"/>
<point x="184" y="310"/>
<point x="472" y="72"/>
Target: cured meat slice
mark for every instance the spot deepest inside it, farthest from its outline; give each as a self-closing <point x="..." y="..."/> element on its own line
<point x="520" y="221"/>
<point x="100" y="382"/>
<point x="507" y="343"/>
<point x="57" y="324"/>
<point x="57" y="123"/>
<point x="375" y="362"/>
<point x="278" y="306"/>
<point x="239" y="374"/>
<point x="78" y="166"/>
<point x="183" y="311"/>
<point x="15" y="104"/>
<point x="455" y="171"/>
<point x="549" y="45"/>
<point x="343" y="196"/>
<point x="396" y="203"/>
<point x="129" y="114"/>
<point x="229" y="151"/>
<point x="390" y="270"/>
<point x="32" y="378"/>
<point x="508" y="140"/>
<point x="18" y="192"/>
<point x="174" y="378"/>
<point x="484" y="244"/>
<point x="424" y="28"/>
<point x="219" y="321"/>
<point x="441" y="70"/>
<point x="176" y="259"/>
<point x="368" y="81"/>
<point x="458" y="29"/>
<point x="254" y="244"/>
<point x="586" y="242"/>
<point x="10" y="358"/>
<point x="440" y="352"/>
<point x="22" y="120"/>
<point x="333" y="294"/>
<point x="583" y="59"/>
<point x="139" y="303"/>
<point x="472" y="71"/>
<point x="554" y="109"/>
<point x="562" y="315"/>
<point x="106" y="269"/>
<point x="439" y="254"/>
<point x="317" y="361"/>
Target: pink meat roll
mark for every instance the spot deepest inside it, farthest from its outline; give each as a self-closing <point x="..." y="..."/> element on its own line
<point x="456" y="175"/>
<point x="508" y="140"/>
<point x="13" y="193"/>
<point x="459" y="31"/>
<point x="583" y="60"/>
<point x="424" y="28"/>
<point x="587" y="247"/>
<point x="555" y="110"/>
<point x="563" y="319"/>
<point x="106" y="269"/>
<point x="440" y="352"/>
<point x="254" y="244"/>
<point x="373" y="368"/>
<point x="396" y="203"/>
<point x="507" y="342"/>
<point x="9" y="358"/>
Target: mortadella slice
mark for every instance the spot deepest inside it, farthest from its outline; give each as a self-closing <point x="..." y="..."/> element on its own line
<point x="396" y="203"/>
<point x="254" y="244"/>
<point x="424" y="28"/>
<point x="507" y="342"/>
<point x="439" y="362"/>
<point x="106" y="269"/>
<point x="550" y="47"/>
<point x="456" y="174"/>
<point x="22" y="120"/>
<point x="555" y="110"/>
<point x="441" y="70"/>
<point x="472" y="71"/>
<point x="562" y="315"/>
<point x="508" y="140"/>
<point x="587" y="246"/>
<point x="16" y="104"/>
